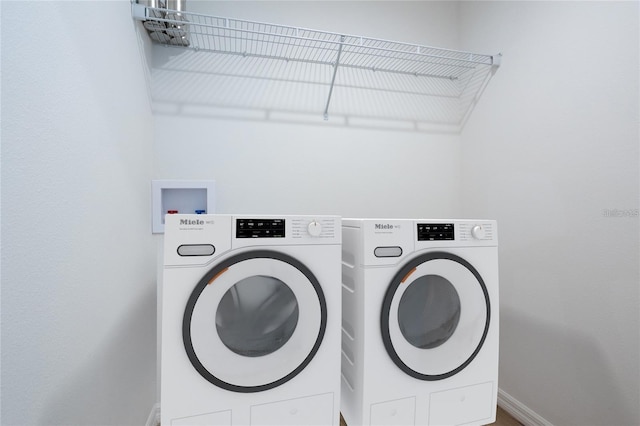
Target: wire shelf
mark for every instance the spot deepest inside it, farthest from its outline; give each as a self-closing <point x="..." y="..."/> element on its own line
<point x="246" y="64"/>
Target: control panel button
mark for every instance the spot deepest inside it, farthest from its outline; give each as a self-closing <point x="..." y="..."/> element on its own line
<point x="478" y="232"/>
<point x="314" y="228"/>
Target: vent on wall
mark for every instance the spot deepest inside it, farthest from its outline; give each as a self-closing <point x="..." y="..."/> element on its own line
<point x="233" y="63"/>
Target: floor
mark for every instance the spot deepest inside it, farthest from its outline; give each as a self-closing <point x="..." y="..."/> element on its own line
<point x="502" y="419"/>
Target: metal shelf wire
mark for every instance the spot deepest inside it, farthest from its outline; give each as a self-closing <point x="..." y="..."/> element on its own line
<point x="239" y="63"/>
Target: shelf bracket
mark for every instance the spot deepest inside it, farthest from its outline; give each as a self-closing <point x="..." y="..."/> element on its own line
<point x="139" y="11"/>
<point x="333" y="79"/>
<point x="496" y="61"/>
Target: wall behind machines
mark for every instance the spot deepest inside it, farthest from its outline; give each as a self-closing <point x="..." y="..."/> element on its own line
<point x="297" y="169"/>
<point x="552" y="154"/>
<point x="78" y="264"/>
<point x="271" y="167"/>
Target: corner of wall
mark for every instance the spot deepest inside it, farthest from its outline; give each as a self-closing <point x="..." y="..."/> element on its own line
<point x="519" y="411"/>
<point x="154" y="416"/>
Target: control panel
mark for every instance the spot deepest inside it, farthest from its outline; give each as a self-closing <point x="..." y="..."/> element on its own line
<point x="477" y="231"/>
<point x="260" y="228"/>
<point x="435" y="232"/>
<point x="315" y="228"/>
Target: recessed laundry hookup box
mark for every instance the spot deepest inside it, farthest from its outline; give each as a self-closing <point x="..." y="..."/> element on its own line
<point x="180" y="196"/>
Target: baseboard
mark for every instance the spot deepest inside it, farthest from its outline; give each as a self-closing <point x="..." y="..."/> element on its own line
<point x="519" y="411"/>
<point x="154" y="416"/>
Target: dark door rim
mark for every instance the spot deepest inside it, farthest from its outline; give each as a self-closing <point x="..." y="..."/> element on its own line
<point x="219" y="268"/>
<point x="386" y="312"/>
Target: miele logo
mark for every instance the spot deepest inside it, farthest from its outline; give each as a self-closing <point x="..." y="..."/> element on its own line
<point x="383" y="226"/>
<point x="191" y="222"/>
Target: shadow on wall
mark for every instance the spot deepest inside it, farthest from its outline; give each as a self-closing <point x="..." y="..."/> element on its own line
<point x="101" y="390"/>
<point x="576" y="373"/>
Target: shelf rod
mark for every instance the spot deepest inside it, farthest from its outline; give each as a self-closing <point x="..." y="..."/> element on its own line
<point x="407" y="56"/>
<point x="333" y="79"/>
<point x="319" y="62"/>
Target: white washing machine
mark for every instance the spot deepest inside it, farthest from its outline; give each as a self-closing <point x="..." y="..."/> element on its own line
<point x="251" y="320"/>
<point x="420" y="322"/>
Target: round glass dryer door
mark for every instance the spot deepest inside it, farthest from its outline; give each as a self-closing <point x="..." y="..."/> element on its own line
<point x="435" y="316"/>
<point x="254" y="321"/>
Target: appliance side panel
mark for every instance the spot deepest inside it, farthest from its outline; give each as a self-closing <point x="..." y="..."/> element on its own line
<point x="352" y="324"/>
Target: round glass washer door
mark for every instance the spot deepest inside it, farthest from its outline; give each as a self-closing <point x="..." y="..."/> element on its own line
<point x="435" y="316"/>
<point x="254" y="321"/>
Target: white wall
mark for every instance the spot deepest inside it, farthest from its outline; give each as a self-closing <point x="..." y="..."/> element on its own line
<point x="78" y="259"/>
<point x="269" y="167"/>
<point x="298" y="169"/>
<point x="551" y="147"/>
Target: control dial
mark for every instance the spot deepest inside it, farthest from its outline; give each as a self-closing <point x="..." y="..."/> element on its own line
<point x="314" y="228"/>
<point x="478" y="232"/>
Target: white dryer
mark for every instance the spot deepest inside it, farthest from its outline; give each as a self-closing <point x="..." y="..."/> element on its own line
<point x="251" y="320"/>
<point x="420" y="322"/>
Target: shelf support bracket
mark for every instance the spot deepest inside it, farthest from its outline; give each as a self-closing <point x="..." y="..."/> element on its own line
<point x="138" y="11"/>
<point x="333" y="79"/>
<point x="496" y="60"/>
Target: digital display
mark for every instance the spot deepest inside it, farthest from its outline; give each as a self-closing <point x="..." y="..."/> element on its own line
<point x="260" y="228"/>
<point x="435" y="231"/>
